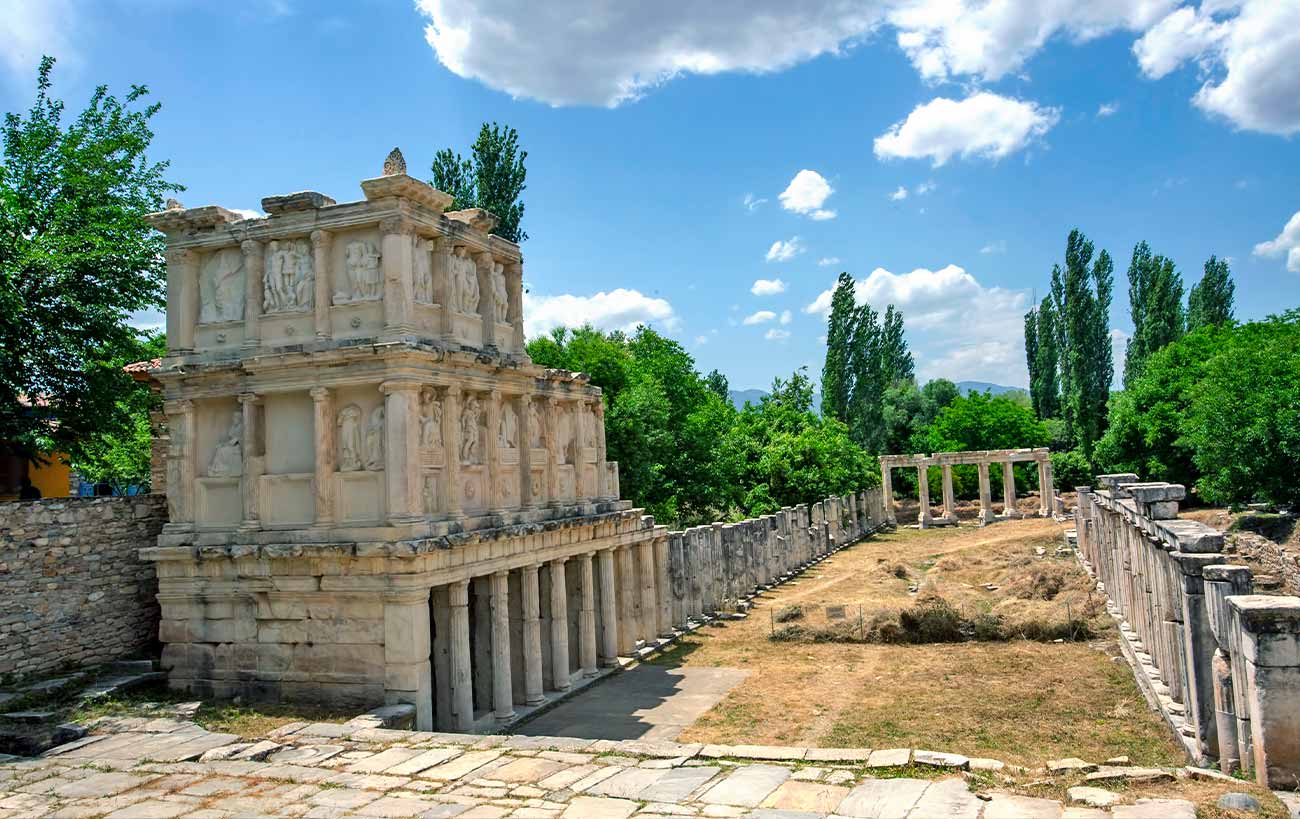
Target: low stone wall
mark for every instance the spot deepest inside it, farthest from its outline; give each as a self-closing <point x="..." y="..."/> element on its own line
<point x="73" y="590"/>
<point x="1221" y="663"/>
<point x="711" y="568"/>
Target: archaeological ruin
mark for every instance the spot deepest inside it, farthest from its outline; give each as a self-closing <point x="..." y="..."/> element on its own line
<point x="1049" y="504"/>
<point x="376" y="497"/>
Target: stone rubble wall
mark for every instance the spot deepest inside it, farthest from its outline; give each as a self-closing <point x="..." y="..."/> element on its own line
<point x="1222" y="664"/>
<point x="73" y="590"/>
<point x="712" y="568"/>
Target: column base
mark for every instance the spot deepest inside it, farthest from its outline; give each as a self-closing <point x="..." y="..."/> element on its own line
<point x="503" y="717"/>
<point x="537" y="700"/>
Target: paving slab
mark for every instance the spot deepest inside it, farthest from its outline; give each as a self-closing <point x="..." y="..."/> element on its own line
<point x="882" y="798"/>
<point x="950" y="799"/>
<point x="1155" y="809"/>
<point x="1014" y="806"/>
<point x="813" y="797"/>
<point x="747" y="786"/>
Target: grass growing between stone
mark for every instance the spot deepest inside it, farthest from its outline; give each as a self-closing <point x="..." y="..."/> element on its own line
<point x="1019" y="700"/>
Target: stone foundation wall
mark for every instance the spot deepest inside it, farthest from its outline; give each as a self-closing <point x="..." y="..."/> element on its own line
<point x="73" y="590"/>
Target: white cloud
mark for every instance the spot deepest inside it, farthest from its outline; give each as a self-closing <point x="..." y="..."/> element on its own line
<point x="1000" y="246"/>
<point x="1287" y="242"/>
<point x="986" y="41"/>
<point x="786" y="317"/>
<point x="761" y="317"/>
<point x="29" y="30"/>
<point x="1250" y="60"/>
<point x="785" y="251"/>
<point x="619" y="309"/>
<point x="984" y="125"/>
<point x="576" y="52"/>
<point x="827" y="261"/>
<point x="899" y="195"/>
<point x="700" y="341"/>
<point x="767" y="287"/>
<point x="925" y="187"/>
<point x="753" y="203"/>
<point x="247" y="213"/>
<point x="958" y="328"/>
<point x="806" y="194"/>
<point x="775" y="334"/>
<point x="1107" y="109"/>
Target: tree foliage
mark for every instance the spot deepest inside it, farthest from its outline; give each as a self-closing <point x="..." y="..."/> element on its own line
<point x="1155" y="294"/>
<point x="76" y="258"/>
<point x="492" y="178"/>
<point x="1210" y="302"/>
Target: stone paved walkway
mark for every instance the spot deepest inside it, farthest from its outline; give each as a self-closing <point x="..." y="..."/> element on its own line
<point x="162" y="768"/>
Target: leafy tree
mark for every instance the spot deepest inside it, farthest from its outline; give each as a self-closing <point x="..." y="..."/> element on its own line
<point x="837" y="378"/>
<point x="941" y="392"/>
<point x="896" y="359"/>
<point x="492" y="178"/>
<point x="1084" y="297"/>
<point x="1041" y="344"/>
<point x="1155" y="305"/>
<point x="869" y="379"/>
<point x="717" y="383"/>
<point x="1210" y="302"/>
<point x="981" y="421"/>
<point x="76" y="258"/>
<point x="1031" y="354"/>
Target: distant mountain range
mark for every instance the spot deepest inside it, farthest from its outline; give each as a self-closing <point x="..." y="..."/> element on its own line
<point x="739" y="397"/>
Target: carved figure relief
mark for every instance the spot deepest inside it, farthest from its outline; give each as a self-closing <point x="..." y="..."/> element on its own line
<point x="564" y="430"/>
<point x="508" y="434"/>
<point x="464" y="282"/>
<point x="469" y="422"/>
<point x="350" y="444"/>
<point x="221" y="287"/>
<point x="422" y="270"/>
<point x="289" y="277"/>
<point x="365" y="280"/>
<point x="430" y="421"/>
<point x="589" y="429"/>
<point x="501" y="300"/>
<point x="375" y="440"/>
<point x="534" y="426"/>
<point x="228" y="457"/>
<point x="430" y="494"/>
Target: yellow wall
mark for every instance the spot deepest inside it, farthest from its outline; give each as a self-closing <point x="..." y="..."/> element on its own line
<point x="51" y="478"/>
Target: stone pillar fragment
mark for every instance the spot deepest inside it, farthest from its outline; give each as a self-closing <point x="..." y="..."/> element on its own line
<point x="321" y="241"/>
<point x="1271" y="649"/>
<point x="532" y="635"/>
<point x="462" y="682"/>
<point x="663" y="587"/>
<point x="1222" y="582"/>
<point x="587" y="617"/>
<point x="408" y="674"/>
<point x="1009" y="508"/>
<point x="924" y="519"/>
<point x="503" y="706"/>
<point x="401" y="450"/>
<point x="986" y="494"/>
<point x="253" y="266"/>
<point x="609" y="628"/>
<point x="254" y="455"/>
<point x="183" y="299"/>
<point x="949" y="498"/>
<point x="559" y="626"/>
<point x="887" y="493"/>
<point x="649" y="626"/>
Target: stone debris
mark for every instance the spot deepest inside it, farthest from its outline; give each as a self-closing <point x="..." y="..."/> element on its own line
<point x="1091" y="797"/>
<point x="1070" y="765"/>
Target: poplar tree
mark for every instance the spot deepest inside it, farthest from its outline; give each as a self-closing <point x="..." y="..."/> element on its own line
<point x="1031" y="356"/>
<point x="1042" y="359"/>
<point x="837" y="379"/>
<point x="1086" y="361"/>
<point x="492" y="178"/>
<point x="1210" y="302"/>
<point x="896" y="359"/>
<point x="867" y="395"/>
<point x="1155" y="305"/>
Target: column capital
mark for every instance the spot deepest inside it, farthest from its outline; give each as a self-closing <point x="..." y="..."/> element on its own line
<point x="484" y="258"/>
<point x="319" y="394"/>
<point x="558" y="561"/>
<point x="502" y="573"/>
<point x="452" y="390"/>
<point x="397" y="224"/>
<point x="251" y="246"/>
<point x="321" y="237"/>
<point x="249" y="398"/>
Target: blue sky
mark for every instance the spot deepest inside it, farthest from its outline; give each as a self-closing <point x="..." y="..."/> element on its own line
<point x="938" y="150"/>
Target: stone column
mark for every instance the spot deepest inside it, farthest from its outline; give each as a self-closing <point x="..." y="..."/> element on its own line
<point x="553" y="451"/>
<point x="949" y="498"/>
<point x="532" y="636"/>
<point x="407" y="673"/>
<point x="487" y="303"/>
<point x="559" y="627"/>
<point x="182" y="299"/>
<point x="515" y="310"/>
<point x="609" y="629"/>
<point x="254" y="453"/>
<point x="451" y="451"/>
<point x="492" y="453"/>
<point x="180" y="464"/>
<point x="1046" y="489"/>
<point x="462" y="683"/>
<point x="1222" y="582"/>
<point x="627" y="594"/>
<point x="1197" y="652"/>
<point x="663" y="587"/>
<point x="602" y="471"/>
<point x="1009" y="509"/>
<point x="526" y="498"/>
<point x="986" y="494"/>
<point x="399" y="288"/>
<point x="887" y="492"/>
<point x="503" y="705"/>
<point x="321" y="241"/>
<point x="924" y="519"/>
<point x="1268" y="628"/>
<point x="440" y="267"/>
<point x="587" y="617"/>
<point x="649" y="600"/>
<point x="402" y="450"/>
<point x="253" y="267"/>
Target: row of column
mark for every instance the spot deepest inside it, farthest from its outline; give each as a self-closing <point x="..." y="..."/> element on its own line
<point x="926" y="519"/>
<point x="1226" y="656"/>
<point x="469" y="649"/>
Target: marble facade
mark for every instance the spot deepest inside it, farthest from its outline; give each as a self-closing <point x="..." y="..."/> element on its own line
<point x="374" y="495"/>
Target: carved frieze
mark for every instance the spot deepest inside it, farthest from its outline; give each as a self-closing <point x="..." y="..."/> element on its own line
<point x="221" y="287"/>
<point x="289" y="278"/>
<point x="365" y="280"/>
<point x="228" y="457"/>
<point x="500" y="299"/>
<point x="430" y="420"/>
<point x="470" y="414"/>
<point x="508" y="434"/>
<point x="422" y="270"/>
<point x="535" y="432"/>
<point x="351" y="445"/>
<point x="463" y="282"/>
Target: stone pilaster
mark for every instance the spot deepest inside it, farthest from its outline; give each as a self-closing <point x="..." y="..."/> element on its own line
<point x="462" y="691"/>
<point x="887" y="493"/>
<point x="525" y="451"/>
<point x="609" y="630"/>
<point x="532" y="635"/>
<point x="182" y="299"/>
<point x="440" y="268"/>
<point x="451" y="447"/>
<point x="321" y="242"/>
<point x="515" y="312"/>
<point x="627" y="596"/>
<point x="503" y="705"/>
<point x="326" y="454"/>
<point x="554" y="453"/>
<point x="402" y="450"/>
<point x="399" y="289"/>
<point x="492" y="453"/>
<point x="180" y="464"/>
<point x="1009" y="509"/>
<point x="559" y="626"/>
<point x="1268" y="631"/>
<point x="407" y="673"/>
<point x="254" y="454"/>
<point x="949" y="498"/>
<point x="253" y="267"/>
<point x="602" y="471"/>
<point x="587" y="617"/>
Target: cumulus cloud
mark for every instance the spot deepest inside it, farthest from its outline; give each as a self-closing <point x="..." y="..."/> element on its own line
<point x="1285" y="243"/>
<point x="29" y="30"/>
<point x="1182" y="35"/>
<point x="767" y="287"/>
<point x="761" y="317"/>
<point x="806" y="194"/>
<point x="899" y="195"/>
<point x="569" y="52"/>
<point x="1107" y="109"/>
<point x="775" y="334"/>
<point x="827" y="261"/>
<point x="753" y="203"/>
<point x="786" y="317"/>
<point x="619" y="309"/>
<point x="784" y="251"/>
<point x="984" y="125"/>
<point x="958" y="327"/>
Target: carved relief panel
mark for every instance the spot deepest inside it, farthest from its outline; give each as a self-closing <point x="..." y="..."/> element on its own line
<point x="289" y="278"/>
<point x="221" y="286"/>
<point x="362" y="278"/>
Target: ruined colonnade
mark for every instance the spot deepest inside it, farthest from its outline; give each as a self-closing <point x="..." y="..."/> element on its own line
<point x="1007" y="458"/>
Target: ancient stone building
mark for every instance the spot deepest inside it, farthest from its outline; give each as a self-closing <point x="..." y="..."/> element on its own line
<point x="375" y="496"/>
